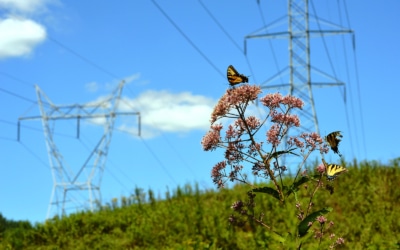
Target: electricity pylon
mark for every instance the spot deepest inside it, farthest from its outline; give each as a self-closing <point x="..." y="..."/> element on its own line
<point x="86" y="178"/>
<point x="300" y="69"/>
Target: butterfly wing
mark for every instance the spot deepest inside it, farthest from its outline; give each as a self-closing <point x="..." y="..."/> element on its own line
<point x="333" y="139"/>
<point x="234" y="77"/>
<point x="333" y="170"/>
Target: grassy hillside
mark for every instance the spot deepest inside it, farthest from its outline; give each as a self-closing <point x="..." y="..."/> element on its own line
<point x="365" y="213"/>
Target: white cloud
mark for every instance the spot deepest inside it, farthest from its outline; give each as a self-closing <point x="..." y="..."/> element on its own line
<point x="163" y="111"/>
<point x="92" y="86"/>
<point x="101" y="102"/>
<point x="24" y="6"/>
<point x="18" y="37"/>
<point x="97" y="121"/>
<point x="131" y="78"/>
<point x="110" y="86"/>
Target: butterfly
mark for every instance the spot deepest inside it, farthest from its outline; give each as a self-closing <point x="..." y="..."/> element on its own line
<point x="234" y="77"/>
<point x="333" y="139"/>
<point x="333" y="170"/>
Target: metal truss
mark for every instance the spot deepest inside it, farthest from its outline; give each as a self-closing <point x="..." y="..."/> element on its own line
<point x="299" y="71"/>
<point x="84" y="179"/>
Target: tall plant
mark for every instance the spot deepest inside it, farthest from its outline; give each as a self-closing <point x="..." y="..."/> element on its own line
<point x="243" y="149"/>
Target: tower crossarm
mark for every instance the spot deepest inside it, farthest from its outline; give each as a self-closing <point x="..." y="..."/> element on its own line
<point x="87" y="176"/>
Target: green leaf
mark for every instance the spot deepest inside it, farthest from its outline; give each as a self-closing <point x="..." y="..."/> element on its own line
<point x="276" y="236"/>
<point x="267" y="190"/>
<point x="303" y="226"/>
<point x="278" y="153"/>
<point x="295" y="186"/>
<point x="302" y="180"/>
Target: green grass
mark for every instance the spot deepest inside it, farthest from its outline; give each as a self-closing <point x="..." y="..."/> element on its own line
<point x="365" y="213"/>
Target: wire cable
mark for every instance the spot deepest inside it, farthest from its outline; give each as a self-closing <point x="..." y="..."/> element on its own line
<point x="85" y="59"/>
<point x="220" y="26"/>
<point x="229" y="37"/>
<point x="168" y="142"/>
<point x="178" y="155"/>
<point x="158" y="160"/>
<point x="17" y="95"/>
<point x="170" y="145"/>
<point x="35" y="155"/>
<point x="7" y="139"/>
<point x="358" y="84"/>
<point x="187" y="38"/>
<point x="275" y="58"/>
<point x="17" y="79"/>
<point x="116" y="179"/>
<point x="350" y="93"/>
<point x="33" y="128"/>
<point x="325" y="45"/>
<point x="108" y="168"/>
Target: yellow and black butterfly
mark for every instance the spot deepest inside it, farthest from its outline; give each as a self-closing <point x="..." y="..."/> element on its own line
<point x="333" y="170"/>
<point x="234" y="77"/>
<point x="333" y="139"/>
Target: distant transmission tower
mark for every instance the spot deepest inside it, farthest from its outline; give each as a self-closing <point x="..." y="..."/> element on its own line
<point x="87" y="178"/>
<point x="300" y="69"/>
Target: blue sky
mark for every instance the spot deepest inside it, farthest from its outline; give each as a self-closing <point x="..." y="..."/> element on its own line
<point x="78" y="52"/>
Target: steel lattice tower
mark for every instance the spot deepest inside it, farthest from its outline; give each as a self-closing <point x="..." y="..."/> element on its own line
<point x="86" y="178"/>
<point x="300" y="70"/>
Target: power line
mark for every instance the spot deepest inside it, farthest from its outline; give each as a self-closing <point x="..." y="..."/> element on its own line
<point x="34" y="155"/>
<point x="70" y="50"/>
<point x="161" y="164"/>
<point x="275" y="58"/>
<point x="32" y="128"/>
<point x="178" y="155"/>
<point x="325" y="46"/>
<point x="358" y="82"/>
<point x="158" y="160"/>
<point x="350" y="92"/>
<point x="7" y="139"/>
<point x="187" y="38"/>
<point x="335" y="75"/>
<point x="108" y="168"/>
<point x="17" y="95"/>
<point x="17" y="79"/>
<point x="85" y="59"/>
<point x="230" y="37"/>
<point x="359" y="102"/>
<point x="116" y="179"/>
<point x="153" y="154"/>
<point x="169" y="144"/>
<point x="220" y="26"/>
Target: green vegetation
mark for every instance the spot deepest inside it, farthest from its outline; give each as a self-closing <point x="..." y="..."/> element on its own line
<point x="365" y="213"/>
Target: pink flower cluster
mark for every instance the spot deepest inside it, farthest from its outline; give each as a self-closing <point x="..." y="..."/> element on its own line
<point x="286" y="119"/>
<point x="273" y="135"/>
<point x="321" y="219"/>
<point x="312" y="140"/>
<point x="233" y="152"/>
<point x="252" y="123"/>
<point x="321" y="168"/>
<point x="274" y="100"/>
<point x="212" y="138"/>
<point x="217" y="175"/>
<point x="234" y="97"/>
<point x="295" y="141"/>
